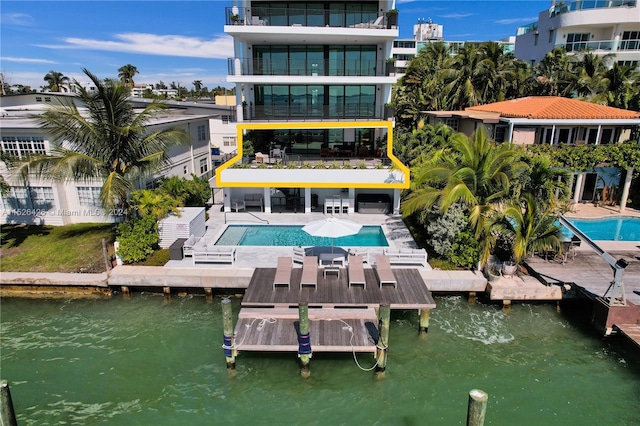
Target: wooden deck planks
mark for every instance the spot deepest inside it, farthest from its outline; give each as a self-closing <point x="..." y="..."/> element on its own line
<point x="411" y="292"/>
<point x="326" y="335"/>
<point x="632" y="331"/>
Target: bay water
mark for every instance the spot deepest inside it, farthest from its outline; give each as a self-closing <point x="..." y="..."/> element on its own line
<point x="147" y="361"/>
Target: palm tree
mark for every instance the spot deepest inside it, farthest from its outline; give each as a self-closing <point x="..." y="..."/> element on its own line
<point x="108" y="142"/>
<point x="556" y="73"/>
<point x="474" y="171"/>
<point x="592" y="83"/>
<point x="547" y="183"/>
<point x="461" y="76"/>
<point x="153" y="202"/>
<point x="55" y="80"/>
<point x="126" y="73"/>
<point x="197" y="86"/>
<point x="530" y="227"/>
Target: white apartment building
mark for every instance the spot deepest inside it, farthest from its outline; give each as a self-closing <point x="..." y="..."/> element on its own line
<point x="424" y="33"/>
<point x="599" y="26"/>
<point x="311" y="86"/>
<point x="61" y="203"/>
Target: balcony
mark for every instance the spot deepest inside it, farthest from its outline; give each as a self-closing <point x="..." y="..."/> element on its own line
<point x="561" y="7"/>
<point x="310" y="112"/>
<point x="600" y="45"/>
<point x="306" y="17"/>
<point x="301" y="67"/>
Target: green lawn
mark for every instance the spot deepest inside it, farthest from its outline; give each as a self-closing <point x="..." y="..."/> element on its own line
<point x="71" y="248"/>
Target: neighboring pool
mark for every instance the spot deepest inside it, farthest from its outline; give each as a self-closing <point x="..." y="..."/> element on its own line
<point x="293" y="235"/>
<point x="609" y="229"/>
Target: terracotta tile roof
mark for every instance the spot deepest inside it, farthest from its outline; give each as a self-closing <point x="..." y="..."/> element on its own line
<point x="554" y="107"/>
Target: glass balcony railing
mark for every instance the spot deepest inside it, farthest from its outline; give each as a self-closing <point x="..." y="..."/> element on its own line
<point x="527" y="28"/>
<point x="609" y="45"/>
<point x="561" y="7"/>
<point x="302" y="67"/>
<point x="308" y="17"/>
<point x="313" y="112"/>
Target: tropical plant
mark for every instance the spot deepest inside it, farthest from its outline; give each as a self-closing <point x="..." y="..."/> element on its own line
<point x="137" y="238"/>
<point x="126" y="73"/>
<point x="55" y="80"/>
<point x="548" y="183"/>
<point x="556" y="73"/>
<point x="530" y="225"/>
<point x="194" y="192"/>
<point x="110" y="142"/>
<point x="474" y="171"/>
<point x="156" y="203"/>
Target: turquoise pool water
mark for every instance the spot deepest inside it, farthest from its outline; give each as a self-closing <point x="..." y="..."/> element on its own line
<point x="293" y="235"/>
<point x="609" y="229"/>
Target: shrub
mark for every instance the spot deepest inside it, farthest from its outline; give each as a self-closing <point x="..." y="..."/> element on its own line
<point x="137" y="238"/>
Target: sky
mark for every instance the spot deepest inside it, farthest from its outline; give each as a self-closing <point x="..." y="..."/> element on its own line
<point x="183" y="41"/>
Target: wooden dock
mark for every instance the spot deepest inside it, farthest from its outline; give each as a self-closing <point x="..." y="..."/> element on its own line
<point x="341" y="318"/>
<point x="631" y="331"/>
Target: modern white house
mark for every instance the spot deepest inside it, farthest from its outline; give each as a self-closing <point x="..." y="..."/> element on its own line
<point x="311" y="86"/>
<point x="601" y="27"/>
<point x="61" y="203"/>
<point x="551" y="120"/>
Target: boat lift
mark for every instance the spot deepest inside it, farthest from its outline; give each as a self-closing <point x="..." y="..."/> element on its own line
<point x="614" y="295"/>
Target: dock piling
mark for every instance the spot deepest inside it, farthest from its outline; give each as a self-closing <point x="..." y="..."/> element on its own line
<point x="227" y="329"/>
<point x="477" y="407"/>
<point x="125" y="292"/>
<point x="304" y="340"/>
<point x="472" y="297"/>
<point x="167" y="293"/>
<point x="384" y="317"/>
<point x="7" y="413"/>
<point x="208" y="294"/>
<point x="423" y="328"/>
<point x="506" y="306"/>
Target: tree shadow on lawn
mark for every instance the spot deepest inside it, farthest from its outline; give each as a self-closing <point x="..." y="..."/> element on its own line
<point x="14" y="235"/>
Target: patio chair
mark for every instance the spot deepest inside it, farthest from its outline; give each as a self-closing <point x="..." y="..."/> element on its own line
<point x="356" y="271"/>
<point x="383" y="269"/>
<point x="330" y="206"/>
<point x="283" y="272"/>
<point x="309" y="272"/>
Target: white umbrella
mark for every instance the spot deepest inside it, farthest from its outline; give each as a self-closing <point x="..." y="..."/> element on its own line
<point x="332" y="227"/>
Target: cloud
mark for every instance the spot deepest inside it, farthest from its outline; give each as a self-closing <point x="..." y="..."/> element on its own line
<point x="26" y="60"/>
<point x="515" y="20"/>
<point x="154" y="44"/>
<point x="16" y="19"/>
<point x="456" y="15"/>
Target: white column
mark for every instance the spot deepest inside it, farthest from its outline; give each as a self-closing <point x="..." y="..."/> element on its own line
<point x="307" y="200"/>
<point x="553" y="134"/>
<point x="617" y="31"/>
<point x="578" y="190"/>
<point x="396" y="201"/>
<point x="227" y="199"/>
<point x="352" y="203"/>
<point x="625" y="189"/>
<point x="267" y="200"/>
<point x="598" y="135"/>
<point x="510" y="136"/>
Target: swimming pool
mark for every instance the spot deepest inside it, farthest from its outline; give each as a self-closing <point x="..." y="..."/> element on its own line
<point x="609" y="228"/>
<point x="293" y="235"/>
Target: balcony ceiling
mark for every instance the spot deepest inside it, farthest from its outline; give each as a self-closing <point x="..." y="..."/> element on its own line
<point x="305" y="35"/>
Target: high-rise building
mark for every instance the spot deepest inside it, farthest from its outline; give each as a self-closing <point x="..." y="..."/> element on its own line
<point x="314" y="78"/>
<point x="599" y="26"/>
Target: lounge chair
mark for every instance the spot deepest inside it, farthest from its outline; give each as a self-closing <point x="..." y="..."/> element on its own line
<point x="309" y="271"/>
<point x="283" y="272"/>
<point x="356" y="271"/>
<point x="383" y="269"/>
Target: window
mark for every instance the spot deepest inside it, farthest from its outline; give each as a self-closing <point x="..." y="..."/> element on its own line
<point x="551" y="33"/>
<point x="452" y="122"/>
<point x="535" y="39"/>
<point x="229" y="141"/>
<point x="500" y="132"/>
<point x="23" y="146"/>
<point x="630" y="40"/>
<point x="36" y="198"/>
<point x="576" y="42"/>
<point x="89" y="196"/>
<point x="202" y="132"/>
<point x="225" y="119"/>
<point x="204" y="166"/>
<point x="405" y="44"/>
